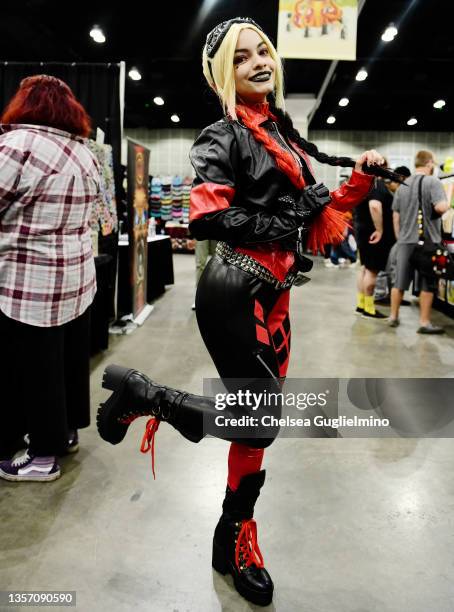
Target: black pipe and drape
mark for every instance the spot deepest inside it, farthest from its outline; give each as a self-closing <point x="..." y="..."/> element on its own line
<point x="97" y="87"/>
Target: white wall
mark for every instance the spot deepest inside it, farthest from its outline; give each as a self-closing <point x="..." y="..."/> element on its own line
<point x="399" y="147"/>
<point x="170" y="148"/>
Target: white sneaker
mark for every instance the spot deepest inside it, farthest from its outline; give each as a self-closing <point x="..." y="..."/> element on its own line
<point x="344" y="263"/>
<point x="30" y="468"/>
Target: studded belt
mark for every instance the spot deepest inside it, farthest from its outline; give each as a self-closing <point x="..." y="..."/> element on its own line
<point x="250" y="265"/>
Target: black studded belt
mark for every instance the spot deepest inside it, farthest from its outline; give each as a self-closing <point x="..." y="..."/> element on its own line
<point x="250" y="265"/>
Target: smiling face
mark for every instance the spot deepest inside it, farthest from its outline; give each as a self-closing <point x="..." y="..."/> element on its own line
<point x="254" y="68"/>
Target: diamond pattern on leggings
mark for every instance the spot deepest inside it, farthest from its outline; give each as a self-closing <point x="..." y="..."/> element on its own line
<point x="278" y="338"/>
<point x="262" y="334"/>
<point x="258" y="311"/>
<point x="281" y="341"/>
<point x="286" y="325"/>
<point x="282" y="355"/>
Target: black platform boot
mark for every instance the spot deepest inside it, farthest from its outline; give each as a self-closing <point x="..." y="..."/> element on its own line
<point x="235" y="547"/>
<point x="194" y="416"/>
<point x="135" y="395"/>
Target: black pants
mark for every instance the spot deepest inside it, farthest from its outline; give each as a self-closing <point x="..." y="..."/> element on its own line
<point x="44" y="383"/>
<point x="244" y="322"/>
<point x="245" y="326"/>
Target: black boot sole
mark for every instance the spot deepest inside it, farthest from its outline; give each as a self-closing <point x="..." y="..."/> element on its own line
<point x="223" y="566"/>
<point x="114" y="379"/>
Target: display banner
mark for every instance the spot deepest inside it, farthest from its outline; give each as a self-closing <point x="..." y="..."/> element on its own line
<point x="138" y="161"/>
<point x="317" y="29"/>
<point x="450" y="292"/>
<point x="442" y="289"/>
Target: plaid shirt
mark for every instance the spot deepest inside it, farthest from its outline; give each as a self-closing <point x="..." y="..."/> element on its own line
<point x="48" y="182"/>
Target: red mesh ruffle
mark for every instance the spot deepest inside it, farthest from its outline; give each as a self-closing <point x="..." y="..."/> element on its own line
<point x="327" y="228"/>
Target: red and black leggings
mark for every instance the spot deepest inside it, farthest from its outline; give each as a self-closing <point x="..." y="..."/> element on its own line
<point x="245" y="325"/>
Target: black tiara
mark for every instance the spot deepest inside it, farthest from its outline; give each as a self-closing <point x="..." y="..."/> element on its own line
<point x="217" y="34"/>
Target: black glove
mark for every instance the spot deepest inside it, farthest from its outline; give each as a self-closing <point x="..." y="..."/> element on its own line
<point x="310" y="204"/>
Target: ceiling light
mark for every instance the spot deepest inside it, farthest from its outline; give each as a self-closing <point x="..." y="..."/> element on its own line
<point x="362" y="75"/>
<point x="331" y="119"/>
<point x="134" y="74"/>
<point x="390" y="33"/>
<point x="158" y="101"/>
<point x="175" y="118"/>
<point x="439" y="104"/>
<point x="392" y="30"/>
<point x="387" y="37"/>
<point x="343" y="102"/>
<point x="97" y="34"/>
<point x="412" y="121"/>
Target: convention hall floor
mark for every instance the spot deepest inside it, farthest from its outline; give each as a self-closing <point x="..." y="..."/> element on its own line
<point x="345" y="525"/>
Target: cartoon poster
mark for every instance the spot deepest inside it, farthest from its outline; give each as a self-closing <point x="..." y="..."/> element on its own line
<point x="450" y="292"/>
<point x="138" y="160"/>
<point x="442" y="289"/>
<point x="317" y="29"/>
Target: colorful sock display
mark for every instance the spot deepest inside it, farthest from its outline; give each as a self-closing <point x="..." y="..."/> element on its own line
<point x="155" y="198"/>
<point x="177" y="198"/>
<point x="187" y="184"/>
<point x="169" y="198"/>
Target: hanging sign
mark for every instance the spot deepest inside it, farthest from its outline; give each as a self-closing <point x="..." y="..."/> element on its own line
<point x="138" y="160"/>
<point x="317" y="29"/>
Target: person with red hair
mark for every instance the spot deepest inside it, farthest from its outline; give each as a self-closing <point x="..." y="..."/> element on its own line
<point x="47" y="101"/>
<point x="48" y="181"/>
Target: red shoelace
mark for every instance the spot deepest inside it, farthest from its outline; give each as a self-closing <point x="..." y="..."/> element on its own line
<point x="247" y="546"/>
<point x="148" y="440"/>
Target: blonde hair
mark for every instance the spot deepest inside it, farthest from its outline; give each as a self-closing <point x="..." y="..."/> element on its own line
<point x="423" y="158"/>
<point x="221" y="78"/>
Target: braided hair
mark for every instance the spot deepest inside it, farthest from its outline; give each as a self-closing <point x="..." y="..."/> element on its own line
<point x="289" y="130"/>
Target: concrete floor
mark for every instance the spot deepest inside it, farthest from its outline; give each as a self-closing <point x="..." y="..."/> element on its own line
<point x="345" y="525"/>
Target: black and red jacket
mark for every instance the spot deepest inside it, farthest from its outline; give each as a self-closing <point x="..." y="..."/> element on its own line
<point x="236" y="191"/>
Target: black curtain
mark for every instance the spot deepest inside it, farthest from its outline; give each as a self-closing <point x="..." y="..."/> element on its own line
<point x="97" y="87"/>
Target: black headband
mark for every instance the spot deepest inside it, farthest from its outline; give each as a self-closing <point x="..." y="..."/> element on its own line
<point x="217" y="34"/>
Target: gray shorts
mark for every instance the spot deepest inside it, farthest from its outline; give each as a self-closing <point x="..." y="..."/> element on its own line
<point x="405" y="272"/>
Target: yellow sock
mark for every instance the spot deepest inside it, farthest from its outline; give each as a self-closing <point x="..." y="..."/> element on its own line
<point x="369" y="305"/>
<point x="360" y="300"/>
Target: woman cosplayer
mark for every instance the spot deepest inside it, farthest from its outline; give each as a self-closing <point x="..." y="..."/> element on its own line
<point x="255" y="193"/>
